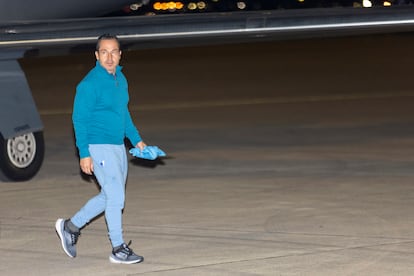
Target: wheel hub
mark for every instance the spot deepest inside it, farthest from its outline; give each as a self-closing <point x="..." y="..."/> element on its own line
<point x="22" y="150"/>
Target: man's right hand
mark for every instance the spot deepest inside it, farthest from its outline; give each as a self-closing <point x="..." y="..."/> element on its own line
<point x="86" y="165"/>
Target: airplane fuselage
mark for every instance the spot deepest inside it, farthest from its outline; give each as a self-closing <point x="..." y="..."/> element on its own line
<point x="23" y="10"/>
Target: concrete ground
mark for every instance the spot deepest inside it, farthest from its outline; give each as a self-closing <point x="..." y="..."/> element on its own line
<point x="288" y="158"/>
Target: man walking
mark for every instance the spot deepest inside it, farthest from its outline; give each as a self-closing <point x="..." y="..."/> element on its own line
<point x="101" y="121"/>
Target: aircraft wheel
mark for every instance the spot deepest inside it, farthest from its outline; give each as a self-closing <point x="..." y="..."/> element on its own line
<point x="21" y="157"/>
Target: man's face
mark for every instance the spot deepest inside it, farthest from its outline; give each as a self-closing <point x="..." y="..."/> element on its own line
<point x="108" y="54"/>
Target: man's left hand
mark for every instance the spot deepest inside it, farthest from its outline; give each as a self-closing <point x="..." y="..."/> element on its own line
<point x="141" y="145"/>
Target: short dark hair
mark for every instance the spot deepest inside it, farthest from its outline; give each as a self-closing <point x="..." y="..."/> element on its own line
<point x="107" y="37"/>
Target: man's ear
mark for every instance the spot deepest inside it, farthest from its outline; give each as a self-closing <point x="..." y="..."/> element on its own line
<point x="97" y="55"/>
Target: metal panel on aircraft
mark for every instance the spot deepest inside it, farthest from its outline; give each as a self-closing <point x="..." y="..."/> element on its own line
<point x="18" y="113"/>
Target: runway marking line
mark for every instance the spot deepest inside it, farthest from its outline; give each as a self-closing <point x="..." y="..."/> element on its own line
<point x="250" y="101"/>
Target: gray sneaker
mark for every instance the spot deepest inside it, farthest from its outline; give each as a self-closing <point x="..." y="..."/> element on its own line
<point x="124" y="255"/>
<point x="67" y="238"/>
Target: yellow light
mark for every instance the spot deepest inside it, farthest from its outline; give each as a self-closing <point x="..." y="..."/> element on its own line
<point x="387" y="4"/>
<point x="201" y="5"/>
<point x="164" y="6"/>
<point x="179" y="5"/>
<point x="366" y="3"/>
<point x="192" y="6"/>
<point x="168" y="5"/>
<point x="241" y="5"/>
<point x="171" y="5"/>
<point x="301" y="1"/>
<point x="157" y="6"/>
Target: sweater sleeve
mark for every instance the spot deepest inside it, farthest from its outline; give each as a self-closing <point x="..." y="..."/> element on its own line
<point x="82" y="107"/>
<point x="131" y="131"/>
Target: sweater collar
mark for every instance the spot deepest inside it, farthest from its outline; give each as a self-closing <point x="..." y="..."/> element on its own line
<point x="103" y="70"/>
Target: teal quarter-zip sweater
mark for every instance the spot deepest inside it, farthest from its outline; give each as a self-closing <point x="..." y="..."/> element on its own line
<point x="100" y="110"/>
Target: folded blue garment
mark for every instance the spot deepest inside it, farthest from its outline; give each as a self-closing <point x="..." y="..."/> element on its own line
<point x="149" y="152"/>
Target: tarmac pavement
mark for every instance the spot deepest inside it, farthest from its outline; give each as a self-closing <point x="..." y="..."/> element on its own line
<point x="267" y="175"/>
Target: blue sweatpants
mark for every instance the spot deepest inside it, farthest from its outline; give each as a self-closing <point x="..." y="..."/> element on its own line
<point x="110" y="168"/>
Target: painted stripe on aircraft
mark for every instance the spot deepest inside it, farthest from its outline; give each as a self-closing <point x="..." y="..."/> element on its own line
<point x="33" y="42"/>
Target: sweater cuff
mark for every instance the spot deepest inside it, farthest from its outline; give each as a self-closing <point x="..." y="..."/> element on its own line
<point x="83" y="153"/>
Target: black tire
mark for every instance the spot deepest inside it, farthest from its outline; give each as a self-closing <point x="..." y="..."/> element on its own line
<point x="21" y="157"/>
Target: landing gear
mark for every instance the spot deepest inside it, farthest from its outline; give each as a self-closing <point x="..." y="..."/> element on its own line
<point x="21" y="157"/>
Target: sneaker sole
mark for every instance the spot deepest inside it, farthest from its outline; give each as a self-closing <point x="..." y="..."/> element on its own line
<point x="59" y="230"/>
<point x="115" y="261"/>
